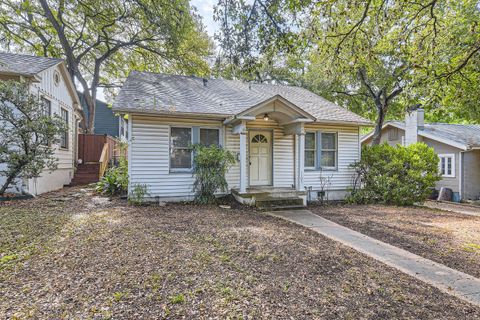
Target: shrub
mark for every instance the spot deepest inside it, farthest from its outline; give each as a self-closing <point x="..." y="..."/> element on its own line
<point x="395" y="175"/>
<point x="115" y="180"/>
<point x="137" y="194"/>
<point x="210" y="166"/>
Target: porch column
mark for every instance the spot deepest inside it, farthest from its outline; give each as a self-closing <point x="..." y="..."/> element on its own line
<point x="300" y="159"/>
<point x="243" y="161"/>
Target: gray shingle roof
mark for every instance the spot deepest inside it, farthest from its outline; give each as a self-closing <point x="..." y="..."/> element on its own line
<point x="23" y="64"/>
<point x="161" y="93"/>
<point x="465" y="134"/>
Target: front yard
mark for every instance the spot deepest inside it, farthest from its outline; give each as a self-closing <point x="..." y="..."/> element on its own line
<point x="65" y="255"/>
<point x="452" y="239"/>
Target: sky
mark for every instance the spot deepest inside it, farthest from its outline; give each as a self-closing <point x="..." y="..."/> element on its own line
<point x="205" y="9"/>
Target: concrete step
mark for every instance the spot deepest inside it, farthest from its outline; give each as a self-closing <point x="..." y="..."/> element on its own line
<point x="278" y="203"/>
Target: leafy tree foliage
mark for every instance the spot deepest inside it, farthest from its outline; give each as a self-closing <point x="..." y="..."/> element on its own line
<point x="102" y="41"/>
<point x="211" y="164"/>
<point x="376" y="57"/>
<point x="395" y="174"/>
<point x="27" y="134"/>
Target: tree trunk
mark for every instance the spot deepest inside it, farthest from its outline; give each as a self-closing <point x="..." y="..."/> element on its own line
<point x="377" y="133"/>
<point x="7" y="183"/>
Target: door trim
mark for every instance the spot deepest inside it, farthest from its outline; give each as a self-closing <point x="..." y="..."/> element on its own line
<point x="272" y="163"/>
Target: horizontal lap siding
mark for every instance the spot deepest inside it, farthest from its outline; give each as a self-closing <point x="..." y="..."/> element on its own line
<point x="150" y="156"/>
<point x="348" y="153"/>
<point x="232" y="143"/>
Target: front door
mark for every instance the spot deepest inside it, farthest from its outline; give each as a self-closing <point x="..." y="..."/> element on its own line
<point x="260" y="158"/>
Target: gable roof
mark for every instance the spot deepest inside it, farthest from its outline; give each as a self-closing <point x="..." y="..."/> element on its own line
<point x="463" y="136"/>
<point x="146" y="92"/>
<point x="26" y="65"/>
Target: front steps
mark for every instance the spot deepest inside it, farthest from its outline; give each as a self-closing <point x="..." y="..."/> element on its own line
<point x="272" y="198"/>
<point x="86" y="173"/>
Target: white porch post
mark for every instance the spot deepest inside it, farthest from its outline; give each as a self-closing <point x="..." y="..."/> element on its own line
<point x="301" y="159"/>
<point x="243" y="161"/>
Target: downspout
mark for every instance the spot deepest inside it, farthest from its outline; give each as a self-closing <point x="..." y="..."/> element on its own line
<point x="460" y="174"/>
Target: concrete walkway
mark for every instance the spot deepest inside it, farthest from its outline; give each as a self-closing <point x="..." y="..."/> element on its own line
<point x="453" y="207"/>
<point x="448" y="280"/>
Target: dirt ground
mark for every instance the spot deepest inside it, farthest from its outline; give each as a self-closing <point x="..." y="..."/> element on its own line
<point x="71" y="255"/>
<point x="452" y="239"/>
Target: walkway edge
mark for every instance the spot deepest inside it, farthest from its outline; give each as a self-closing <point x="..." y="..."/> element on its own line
<point x="448" y="280"/>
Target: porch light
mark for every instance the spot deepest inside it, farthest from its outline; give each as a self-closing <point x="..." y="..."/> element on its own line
<point x="265" y="117"/>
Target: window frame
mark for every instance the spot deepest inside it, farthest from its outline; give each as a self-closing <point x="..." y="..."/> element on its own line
<point x="334" y="150"/>
<point x="315" y="151"/>
<point x="67" y="129"/>
<point x="171" y="148"/>
<point x="220" y="144"/>
<point x="445" y="167"/>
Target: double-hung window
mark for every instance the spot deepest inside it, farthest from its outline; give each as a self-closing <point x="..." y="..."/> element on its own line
<point x="181" y="141"/>
<point x="180" y="148"/>
<point x="64" y="136"/>
<point x="329" y="150"/>
<point x="209" y="136"/>
<point x="447" y="165"/>
<point x="320" y="150"/>
<point x="310" y="150"/>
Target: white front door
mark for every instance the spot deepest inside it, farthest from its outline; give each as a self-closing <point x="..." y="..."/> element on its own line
<point x="260" y="158"/>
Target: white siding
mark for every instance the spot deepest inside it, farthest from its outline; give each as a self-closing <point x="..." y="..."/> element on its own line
<point x="348" y="153"/>
<point x="149" y="156"/>
<point x="59" y="97"/>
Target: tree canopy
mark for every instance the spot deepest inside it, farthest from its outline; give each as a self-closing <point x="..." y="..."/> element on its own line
<point x="376" y="57"/>
<point x="102" y="41"/>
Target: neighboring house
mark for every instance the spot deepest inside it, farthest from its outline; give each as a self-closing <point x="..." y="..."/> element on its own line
<point x="48" y="78"/>
<point x="285" y="138"/>
<point x="457" y="145"/>
<point x="106" y="121"/>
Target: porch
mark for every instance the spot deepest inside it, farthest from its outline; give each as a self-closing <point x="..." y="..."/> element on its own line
<point x="271" y="144"/>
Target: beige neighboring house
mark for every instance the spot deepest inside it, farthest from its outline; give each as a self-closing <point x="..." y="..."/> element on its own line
<point x="49" y="79"/>
<point x="457" y="145"/>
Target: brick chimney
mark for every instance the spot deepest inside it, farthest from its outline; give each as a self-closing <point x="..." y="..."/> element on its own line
<point x="414" y="121"/>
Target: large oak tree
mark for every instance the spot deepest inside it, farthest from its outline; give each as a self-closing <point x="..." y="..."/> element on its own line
<point x="102" y="41"/>
<point x="376" y="57"/>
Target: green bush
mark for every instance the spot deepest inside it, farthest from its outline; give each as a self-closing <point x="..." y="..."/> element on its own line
<point x="137" y="194"/>
<point x="115" y="180"/>
<point x="395" y="175"/>
<point x="210" y="166"/>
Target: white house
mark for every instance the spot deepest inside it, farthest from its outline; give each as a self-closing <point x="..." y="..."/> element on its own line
<point x="48" y="78"/>
<point x="457" y="146"/>
<point x="286" y="138"/>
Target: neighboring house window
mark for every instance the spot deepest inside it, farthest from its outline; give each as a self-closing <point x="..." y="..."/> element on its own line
<point x="47" y="107"/>
<point x="47" y="111"/>
<point x="209" y="137"/>
<point x="180" y="152"/>
<point x="393" y="134"/>
<point x="64" y="137"/>
<point x="329" y="150"/>
<point x="310" y="150"/>
<point x="56" y="78"/>
<point x="447" y="165"/>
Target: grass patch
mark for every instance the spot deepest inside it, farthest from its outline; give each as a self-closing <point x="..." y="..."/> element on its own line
<point x="177" y="299"/>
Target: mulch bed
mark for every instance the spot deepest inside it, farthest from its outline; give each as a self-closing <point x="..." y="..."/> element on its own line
<point x="85" y="258"/>
<point x="452" y="239"/>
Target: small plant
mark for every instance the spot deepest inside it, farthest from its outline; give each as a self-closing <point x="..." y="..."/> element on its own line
<point x="120" y="295"/>
<point x="179" y="298"/>
<point x="115" y="180"/>
<point x="210" y="166"/>
<point x="138" y="193"/>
